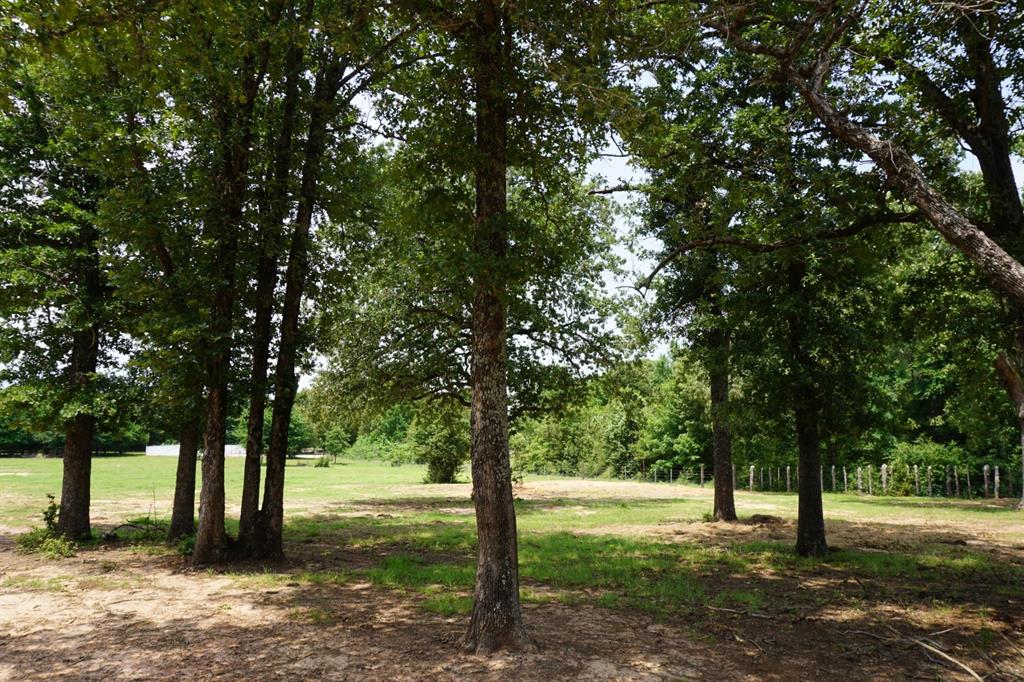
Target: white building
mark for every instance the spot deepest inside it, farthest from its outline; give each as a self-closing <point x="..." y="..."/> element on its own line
<point x="230" y="450"/>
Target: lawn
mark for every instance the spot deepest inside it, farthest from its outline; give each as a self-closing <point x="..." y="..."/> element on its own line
<point x="906" y="577"/>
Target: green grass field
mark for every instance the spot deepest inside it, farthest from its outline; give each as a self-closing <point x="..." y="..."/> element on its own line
<point x="620" y="544"/>
<point x="897" y="565"/>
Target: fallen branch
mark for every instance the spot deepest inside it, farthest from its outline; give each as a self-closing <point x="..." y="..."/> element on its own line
<point x="738" y="612"/>
<point x="943" y="654"/>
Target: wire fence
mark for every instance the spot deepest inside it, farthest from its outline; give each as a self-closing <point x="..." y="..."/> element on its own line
<point x="987" y="481"/>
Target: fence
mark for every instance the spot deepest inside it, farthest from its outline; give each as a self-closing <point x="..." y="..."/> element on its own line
<point x="57" y="450"/>
<point x="888" y="479"/>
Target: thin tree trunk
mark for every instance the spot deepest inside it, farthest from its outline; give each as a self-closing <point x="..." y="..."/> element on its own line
<point x="266" y="283"/>
<point x="725" y="504"/>
<point x="270" y="542"/>
<point x="810" y="528"/>
<point x="497" y="618"/>
<point x="184" y="509"/>
<point x="1014" y="385"/>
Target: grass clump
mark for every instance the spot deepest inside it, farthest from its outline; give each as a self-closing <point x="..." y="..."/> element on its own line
<point x="42" y="541"/>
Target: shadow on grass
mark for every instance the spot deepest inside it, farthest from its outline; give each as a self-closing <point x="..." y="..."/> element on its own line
<point x="985" y="505"/>
<point x="767" y="611"/>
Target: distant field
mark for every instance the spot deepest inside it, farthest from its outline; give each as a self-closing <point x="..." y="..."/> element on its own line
<point x="628" y="568"/>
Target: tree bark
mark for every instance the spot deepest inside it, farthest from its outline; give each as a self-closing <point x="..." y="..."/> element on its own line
<point x="1011" y="379"/>
<point x="73" y="518"/>
<point x="224" y="222"/>
<point x="266" y="283"/>
<point x="183" y="512"/>
<point x="1004" y="272"/>
<point x="497" y="619"/>
<point x="718" y="371"/>
<point x="270" y="542"/>
<point x="810" y="528"/>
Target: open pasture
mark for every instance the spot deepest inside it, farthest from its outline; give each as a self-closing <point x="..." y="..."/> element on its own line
<point x="619" y="580"/>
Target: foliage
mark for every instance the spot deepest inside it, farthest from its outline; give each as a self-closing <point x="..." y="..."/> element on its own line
<point x="439" y="436"/>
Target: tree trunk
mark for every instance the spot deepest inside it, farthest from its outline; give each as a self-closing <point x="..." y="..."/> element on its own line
<point x="183" y="512"/>
<point x="1004" y="272"/>
<point x="718" y="370"/>
<point x="266" y="283"/>
<point x="810" y="528"/>
<point x="270" y="541"/>
<point x="223" y="224"/>
<point x="73" y="518"/>
<point x="1011" y="379"/>
<point x="211" y="538"/>
<point x="810" y="525"/>
<point x="497" y="619"/>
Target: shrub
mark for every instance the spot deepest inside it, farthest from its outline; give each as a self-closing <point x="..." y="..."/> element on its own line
<point x="186" y="545"/>
<point x="439" y="436"/>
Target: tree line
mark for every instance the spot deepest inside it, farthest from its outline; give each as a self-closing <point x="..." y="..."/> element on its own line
<point x="205" y="199"/>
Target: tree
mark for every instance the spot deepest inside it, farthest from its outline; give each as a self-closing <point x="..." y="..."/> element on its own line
<point x="851" y="42"/>
<point x="56" y="305"/>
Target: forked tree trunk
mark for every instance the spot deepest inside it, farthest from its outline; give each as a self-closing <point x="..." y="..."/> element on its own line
<point x="497" y="619"/>
<point x="183" y="512"/>
<point x="266" y="283"/>
<point x="270" y="530"/>
<point x="810" y="527"/>
<point x="718" y="371"/>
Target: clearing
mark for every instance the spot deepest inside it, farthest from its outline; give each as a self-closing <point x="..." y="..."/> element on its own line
<point x="620" y="580"/>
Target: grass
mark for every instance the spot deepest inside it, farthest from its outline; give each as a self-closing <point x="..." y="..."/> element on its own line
<point x="599" y="548"/>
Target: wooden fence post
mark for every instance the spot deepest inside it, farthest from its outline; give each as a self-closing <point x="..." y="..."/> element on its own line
<point x="751" y="485"/>
<point x="929" y="481"/>
<point x="821" y="478"/>
<point x="846" y="481"/>
<point x="984" y="473"/>
<point x="956" y="479"/>
<point x="917" y="481"/>
<point x="870" y="479"/>
<point x="761" y="475"/>
<point x="701" y="475"/>
<point x="860" y="483"/>
<point x="833" y="478"/>
<point x="885" y="479"/>
<point x="787" y="478"/>
<point x="995" y="482"/>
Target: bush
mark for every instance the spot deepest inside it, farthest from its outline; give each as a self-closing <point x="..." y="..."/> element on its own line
<point x="323" y="462"/>
<point x="439" y="436"/>
<point x="42" y="541"/>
